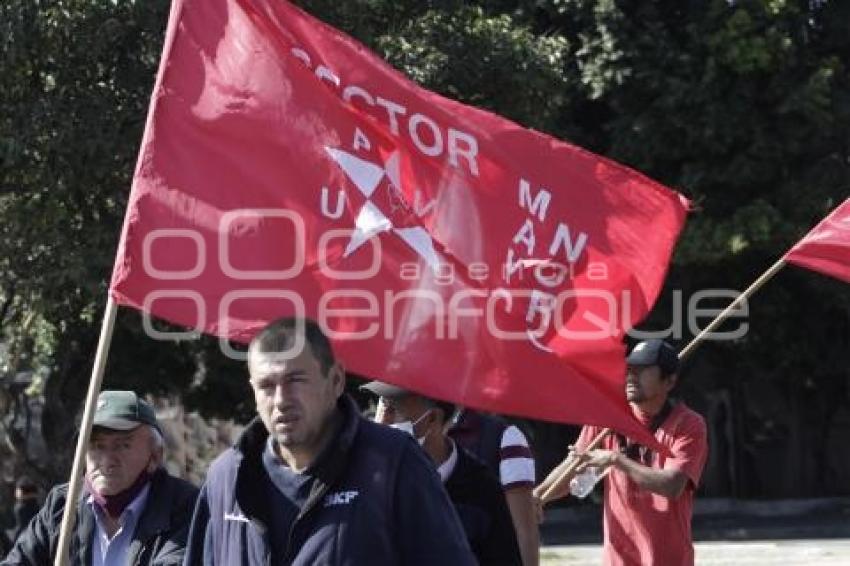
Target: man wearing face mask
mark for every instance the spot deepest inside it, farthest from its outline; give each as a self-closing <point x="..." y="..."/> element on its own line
<point x="131" y="510"/>
<point x="475" y="492"/>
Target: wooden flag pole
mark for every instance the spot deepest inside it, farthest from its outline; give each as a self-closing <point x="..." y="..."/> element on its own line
<point x="757" y="284"/>
<point x="76" y="479"/>
<point x="566" y="476"/>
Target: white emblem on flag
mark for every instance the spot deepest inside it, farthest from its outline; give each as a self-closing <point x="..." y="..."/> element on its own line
<point x="371" y="220"/>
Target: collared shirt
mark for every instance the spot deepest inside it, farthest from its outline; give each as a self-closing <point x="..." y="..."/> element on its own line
<point x="113" y="552"/>
<point x="446" y="468"/>
<point x="642" y="527"/>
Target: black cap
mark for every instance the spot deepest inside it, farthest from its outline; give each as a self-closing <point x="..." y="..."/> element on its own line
<point x="655" y="352"/>
<point x="386" y="390"/>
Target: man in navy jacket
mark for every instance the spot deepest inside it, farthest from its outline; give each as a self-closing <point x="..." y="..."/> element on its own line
<point x="310" y="481"/>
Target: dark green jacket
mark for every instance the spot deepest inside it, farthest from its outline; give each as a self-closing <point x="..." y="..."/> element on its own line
<point x="160" y="537"/>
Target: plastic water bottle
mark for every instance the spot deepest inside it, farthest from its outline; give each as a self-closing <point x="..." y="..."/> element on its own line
<point x="582" y="484"/>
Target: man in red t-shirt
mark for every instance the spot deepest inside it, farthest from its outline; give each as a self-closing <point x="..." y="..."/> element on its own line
<point x="648" y="496"/>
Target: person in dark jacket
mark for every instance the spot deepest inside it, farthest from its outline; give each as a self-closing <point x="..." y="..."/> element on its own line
<point x="25" y="508"/>
<point x="310" y="481"/>
<point x="506" y="451"/>
<point x="473" y="489"/>
<point x="131" y="511"/>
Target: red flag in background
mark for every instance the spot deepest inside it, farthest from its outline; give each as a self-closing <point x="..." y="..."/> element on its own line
<point x="827" y="247"/>
<point x="285" y="169"/>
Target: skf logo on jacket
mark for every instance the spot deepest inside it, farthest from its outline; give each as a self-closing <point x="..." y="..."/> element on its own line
<point x="340" y="498"/>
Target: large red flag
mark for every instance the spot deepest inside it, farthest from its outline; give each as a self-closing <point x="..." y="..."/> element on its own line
<point x="827" y="247"/>
<point x="285" y="169"/>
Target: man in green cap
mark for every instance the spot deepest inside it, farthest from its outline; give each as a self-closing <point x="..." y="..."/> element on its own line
<point x="131" y="510"/>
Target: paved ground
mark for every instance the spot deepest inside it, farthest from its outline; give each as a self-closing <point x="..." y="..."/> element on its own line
<point x="828" y="552"/>
<point x="720" y="520"/>
<point x="808" y="532"/>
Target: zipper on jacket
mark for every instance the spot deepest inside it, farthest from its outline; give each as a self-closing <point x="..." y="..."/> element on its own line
<point x="263" y="530"/>
<point x="289" y="535"/>
<point x="304" y="512"/>
<point x="139" y="554"/>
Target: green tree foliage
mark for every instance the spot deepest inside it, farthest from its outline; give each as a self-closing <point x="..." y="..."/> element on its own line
<point x="75" y="83"/>
<point x="743" y="106"/>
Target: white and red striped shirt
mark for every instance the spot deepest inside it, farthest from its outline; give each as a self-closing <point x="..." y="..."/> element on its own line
<point x="516" y="463"/>
<point x="503" y="447"/>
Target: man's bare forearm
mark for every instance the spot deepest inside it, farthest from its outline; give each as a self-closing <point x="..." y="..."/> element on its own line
<point x="524" y="518"/>
<point x="669" y="483"/>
